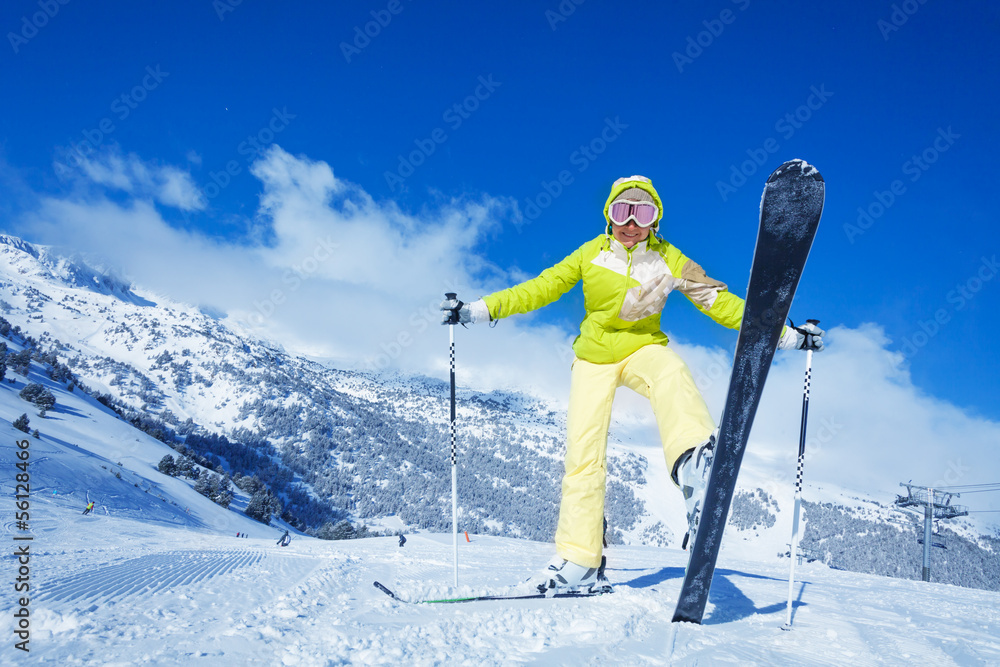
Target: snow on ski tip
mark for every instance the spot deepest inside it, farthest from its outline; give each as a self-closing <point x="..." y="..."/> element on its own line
<point x="792" y="190"/>
<point x="803" y="167"/>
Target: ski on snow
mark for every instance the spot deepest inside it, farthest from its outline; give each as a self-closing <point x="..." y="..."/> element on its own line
<point x="790" y="210"/>
<point x="483" y="598"/>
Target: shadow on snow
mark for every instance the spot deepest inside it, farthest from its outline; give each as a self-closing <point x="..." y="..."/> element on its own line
<point x="730" y="603"/>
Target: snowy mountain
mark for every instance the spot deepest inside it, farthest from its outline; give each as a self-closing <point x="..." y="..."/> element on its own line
<point x="331" y="446"/>
<point x="162" y="574"/>
<point x="159" y="574"/>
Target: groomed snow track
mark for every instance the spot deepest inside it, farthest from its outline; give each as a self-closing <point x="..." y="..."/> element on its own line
<point x="148" y="575"/>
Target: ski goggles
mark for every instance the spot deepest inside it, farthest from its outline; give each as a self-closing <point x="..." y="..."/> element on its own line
<point x="643" y="214"/>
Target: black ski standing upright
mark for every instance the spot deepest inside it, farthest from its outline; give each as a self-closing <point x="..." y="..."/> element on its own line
<point x="789" y="215"/>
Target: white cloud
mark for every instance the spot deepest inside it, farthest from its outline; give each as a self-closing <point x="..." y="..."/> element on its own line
<point x="111" y="171"/>
<point x="340" y="275"/>
<point x="377" y="245"/>
<point x="168" y="185"/>
<point x="174" y="187"/>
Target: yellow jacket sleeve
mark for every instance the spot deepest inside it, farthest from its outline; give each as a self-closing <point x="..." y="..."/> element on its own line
<point x="727" y="310"/>
<point x="532" y="294"/>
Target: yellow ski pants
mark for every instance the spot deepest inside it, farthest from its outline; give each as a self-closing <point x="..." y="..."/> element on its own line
<point x="683" y="419"/>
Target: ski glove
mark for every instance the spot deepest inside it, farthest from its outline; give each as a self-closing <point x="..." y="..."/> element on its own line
<point x="454" y="311"/>
<point x="807" y="337"/>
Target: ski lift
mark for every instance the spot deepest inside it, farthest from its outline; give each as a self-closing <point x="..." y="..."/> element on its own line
<point x="939" y="545"/>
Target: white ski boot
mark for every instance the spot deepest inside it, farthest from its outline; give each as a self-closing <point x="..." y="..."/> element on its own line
<point x="563" y="576"/>
<point x="692" y="476"/>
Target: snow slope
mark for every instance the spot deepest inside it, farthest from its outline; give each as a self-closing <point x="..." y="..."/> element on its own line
<point x="122" y="591"/>
<point x="158" y="576"/>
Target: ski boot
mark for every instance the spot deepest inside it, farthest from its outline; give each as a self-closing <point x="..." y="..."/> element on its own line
<point x="562" y="576"/>
<point x="691" y="475"/>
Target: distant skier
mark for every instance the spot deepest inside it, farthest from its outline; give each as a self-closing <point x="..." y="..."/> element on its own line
<point x="285" y="540"/>
<point x="627" y="272"/>
<point x="89" y="508"/>
<point x="402" y="539"/>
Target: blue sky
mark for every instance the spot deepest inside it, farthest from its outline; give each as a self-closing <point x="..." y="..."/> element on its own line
<point x="192" y="142"/>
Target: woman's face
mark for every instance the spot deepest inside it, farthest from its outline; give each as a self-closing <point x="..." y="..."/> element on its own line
<point x="630" y="233"/>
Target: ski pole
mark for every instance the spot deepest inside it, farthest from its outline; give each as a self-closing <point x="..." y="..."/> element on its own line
<point x="798" y="484"/>
<point x="452" y="321"/>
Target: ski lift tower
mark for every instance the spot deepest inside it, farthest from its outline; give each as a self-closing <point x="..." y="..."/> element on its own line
<point x="936" y="505"/>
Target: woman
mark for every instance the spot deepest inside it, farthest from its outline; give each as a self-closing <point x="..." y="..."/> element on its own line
<point x="627" y="274"/>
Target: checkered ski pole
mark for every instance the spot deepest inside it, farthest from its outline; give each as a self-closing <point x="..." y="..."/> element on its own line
<point x="453" y="320"/>
<point x="798" y="483"/>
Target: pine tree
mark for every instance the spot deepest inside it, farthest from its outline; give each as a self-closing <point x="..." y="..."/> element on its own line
<point x="342" y="531"/>
<point x="41" y="397"/>
<point x="224" y="498"/>
<point x="167" y="466"/>
<point x="204" y="485"/>
<point x="21" y="423"/>
<point x="261" y="506"/>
